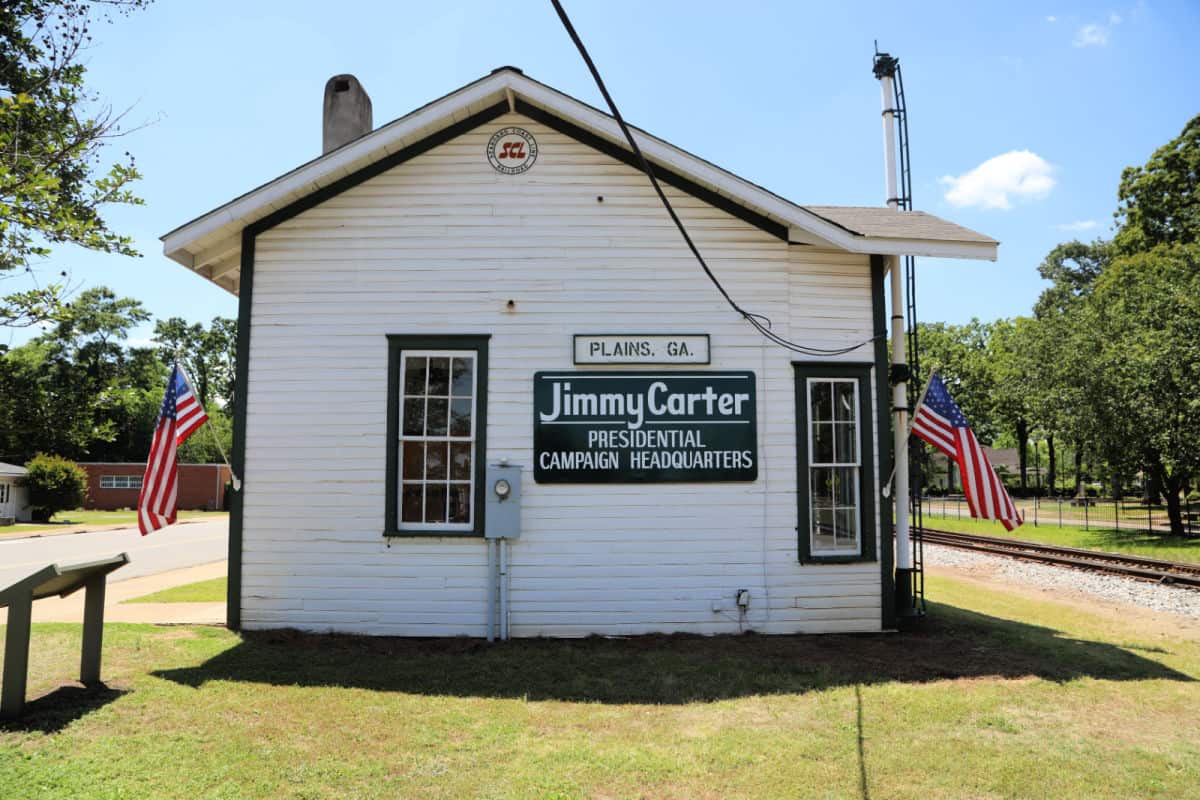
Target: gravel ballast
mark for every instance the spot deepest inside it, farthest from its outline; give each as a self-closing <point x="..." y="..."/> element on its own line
<point x="1114" y="588"/>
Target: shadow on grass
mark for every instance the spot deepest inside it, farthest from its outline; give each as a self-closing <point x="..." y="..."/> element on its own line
<point x="54" y="711"/>
<point x="1108" y="538"/>
<point x="953" y="643"/>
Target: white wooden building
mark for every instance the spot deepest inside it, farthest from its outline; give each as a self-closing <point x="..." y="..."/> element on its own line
<point x="14" y="496"/>
<point x="404" y="295"/>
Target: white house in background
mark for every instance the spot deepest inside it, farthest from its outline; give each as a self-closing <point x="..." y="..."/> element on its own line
<point x="14" y="498"/>
<point x="490" y="280"/>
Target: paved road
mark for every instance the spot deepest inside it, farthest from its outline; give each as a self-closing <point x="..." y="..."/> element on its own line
<point x="172" y="547"/>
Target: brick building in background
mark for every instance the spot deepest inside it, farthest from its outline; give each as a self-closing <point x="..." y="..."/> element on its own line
<point x="113" y="485"/>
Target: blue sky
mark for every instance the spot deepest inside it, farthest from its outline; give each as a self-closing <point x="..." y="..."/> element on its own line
<point x="1022" y="115"/>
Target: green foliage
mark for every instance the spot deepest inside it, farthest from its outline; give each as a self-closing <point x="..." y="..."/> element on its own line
<point x="1160" y="202"/>
<point x="53" y="132"/>
<point x="959" y="354"/>
<point x="206" y="355"/>
<point x="202" y="447"/>
<point x="77" y="390"/>
<point x="55" y="484"/>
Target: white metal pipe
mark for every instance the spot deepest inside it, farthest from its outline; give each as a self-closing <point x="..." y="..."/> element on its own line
<point x="504" y="590"/>
<point x="899" y="390"/>
<point x="889" y="141"/>
<point x="491" y="590"/>
<point x="900" y="427"/>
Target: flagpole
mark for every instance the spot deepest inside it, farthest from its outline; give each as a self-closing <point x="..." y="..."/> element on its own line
<point x="237" y="482"/>
<point x="887" y="487"/>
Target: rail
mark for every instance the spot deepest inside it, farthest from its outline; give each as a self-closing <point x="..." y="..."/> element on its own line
<point x="1140" y="567"/>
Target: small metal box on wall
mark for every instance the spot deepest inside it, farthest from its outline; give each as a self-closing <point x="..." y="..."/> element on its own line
<point x="503" y="508"/>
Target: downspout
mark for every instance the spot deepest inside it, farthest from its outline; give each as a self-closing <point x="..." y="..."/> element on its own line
<point x="491" y="590"/>
<point x="885" y="67"/>
<point x="504" y="590"/>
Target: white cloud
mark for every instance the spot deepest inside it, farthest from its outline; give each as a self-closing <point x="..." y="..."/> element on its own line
<point x="1052" y="19"/>
<point x="1091" y="35"/>
<point x="1095" y="34"/>
<point x="1079" y="227"/>
<point x="1019" y="174"/>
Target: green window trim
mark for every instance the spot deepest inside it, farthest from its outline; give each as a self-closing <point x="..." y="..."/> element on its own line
<point x="861" y="374"/>
<point x="397" y="345"/>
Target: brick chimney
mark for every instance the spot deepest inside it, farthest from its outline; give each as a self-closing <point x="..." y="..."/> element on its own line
<point x="347" y="113"/>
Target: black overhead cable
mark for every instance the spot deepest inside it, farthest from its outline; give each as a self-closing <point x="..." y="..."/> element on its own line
<point x="761" y="323"/>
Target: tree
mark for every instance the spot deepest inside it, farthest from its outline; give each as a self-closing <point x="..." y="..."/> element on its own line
<point x="53" y="132"/>
<point x="207" y="355"/>
<point x="959" y="353"/>
<point x="1067" y="401"/>
<point x="1008" y="350"/>
<point x="77" y="390"/>
<point x="1159" y="203"/>
<point x="1146" y="314"/>
<point x="55" y="484"/>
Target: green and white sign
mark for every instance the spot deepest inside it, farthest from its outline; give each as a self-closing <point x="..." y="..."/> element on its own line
<point x="671" y="427"/>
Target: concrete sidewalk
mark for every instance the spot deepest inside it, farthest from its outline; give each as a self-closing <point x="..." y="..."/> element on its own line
<point x="15" y="532"/>
<point x="70" y="609"/>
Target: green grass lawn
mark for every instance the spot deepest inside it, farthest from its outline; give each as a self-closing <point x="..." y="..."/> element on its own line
<point x="996" y="696"/>
<point x="210" y="591"/>
<point x="1140" y="543"/>
<point x="79" y="517"/>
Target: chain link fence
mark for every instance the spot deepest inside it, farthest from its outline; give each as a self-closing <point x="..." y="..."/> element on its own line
<point x="1085" y="513"/>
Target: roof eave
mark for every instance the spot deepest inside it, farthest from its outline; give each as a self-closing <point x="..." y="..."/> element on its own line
<point x="218" y="231"/>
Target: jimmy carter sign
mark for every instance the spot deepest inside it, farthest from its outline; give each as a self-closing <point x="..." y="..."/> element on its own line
<point x="673" y="427"/>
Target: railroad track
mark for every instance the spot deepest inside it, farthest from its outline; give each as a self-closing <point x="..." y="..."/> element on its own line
<point x="1147" y="569"/>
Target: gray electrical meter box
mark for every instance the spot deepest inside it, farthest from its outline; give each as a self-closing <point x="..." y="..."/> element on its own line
<point x="502" y="516"/>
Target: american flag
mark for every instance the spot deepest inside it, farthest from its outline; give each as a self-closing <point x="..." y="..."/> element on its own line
<point x="188" y="411"/>
<point x="180" y="416"/>
<point x="940" y="422"/>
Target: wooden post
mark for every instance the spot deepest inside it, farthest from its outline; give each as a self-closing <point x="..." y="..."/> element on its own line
<point x="93" y="630"/>
<point x="16" y="656"/>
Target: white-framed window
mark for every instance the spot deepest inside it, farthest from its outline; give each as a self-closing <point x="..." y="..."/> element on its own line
<point x="120" y="481"/>
<point x="5" y="492"/>
<point x="438" y="423"/>
<point x="835" y="451"/>
<point x="834" y="466"/>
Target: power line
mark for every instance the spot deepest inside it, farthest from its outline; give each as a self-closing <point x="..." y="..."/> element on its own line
<point x="760" y="322"/>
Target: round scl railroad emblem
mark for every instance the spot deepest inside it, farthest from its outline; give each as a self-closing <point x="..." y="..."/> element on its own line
<point x="512" y="150"/>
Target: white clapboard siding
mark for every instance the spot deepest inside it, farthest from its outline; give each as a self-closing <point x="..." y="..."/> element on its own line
<point x="440" y="245"/>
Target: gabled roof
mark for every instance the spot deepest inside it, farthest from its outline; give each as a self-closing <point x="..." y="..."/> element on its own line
<point x="8" y="470"/>
<point x="210" y="244"/>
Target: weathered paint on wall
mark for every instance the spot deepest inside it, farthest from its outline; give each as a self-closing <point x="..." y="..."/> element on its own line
<point x="441" y="244"/>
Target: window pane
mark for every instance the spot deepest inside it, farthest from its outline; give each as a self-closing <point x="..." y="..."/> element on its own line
<point x="846" y="529"/>
<point x="460" y="502"/>
<point x="414" y="461"/>
<point x="843" y="401"/>
<point x="414" y="417"/>
<point x="460" y="461"/>
<point x="843" y="492"/>
<point x="435" y="423"/>
<point x="461" y="372"/>
<point x="820" y="406"/>
<point x="435" y="461"/>
<point x="822" y="442"/>
<point x="414" y="375"/>
<point x="822" y="533"/>
<point x="846" y="452"/>
<point x="412" y="503"/>
<point x="460" y="417"/>
<point x="439" y="377"/>
<point x="822" y="488"/>
<point x="435" y="502"/>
